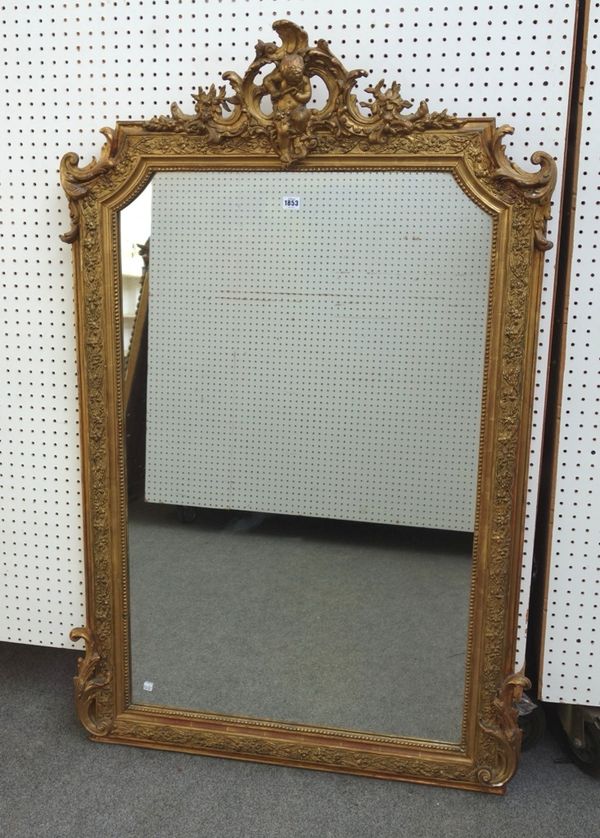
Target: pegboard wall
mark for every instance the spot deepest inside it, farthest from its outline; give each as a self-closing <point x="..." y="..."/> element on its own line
<point x="72" y="67"/>
<point x="571" y="654"/>
<point x="326" y="359"/>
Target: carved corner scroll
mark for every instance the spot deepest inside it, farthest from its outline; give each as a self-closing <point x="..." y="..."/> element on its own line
<point x="503" y="727"/>
<point x="76" y="181"/>
<point x="537" y="186"/>
<point x="88" y="682"/>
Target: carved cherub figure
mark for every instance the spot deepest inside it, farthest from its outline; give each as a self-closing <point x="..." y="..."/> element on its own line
<point x="287" y="85"/>
<point x="290" y="89"/>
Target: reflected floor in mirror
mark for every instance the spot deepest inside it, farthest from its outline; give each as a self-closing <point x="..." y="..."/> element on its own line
<point x="303" y="620"/>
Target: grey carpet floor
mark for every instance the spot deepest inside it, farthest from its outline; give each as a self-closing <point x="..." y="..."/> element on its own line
<point x="331" y="623"/>
<point x="54" y="783"/>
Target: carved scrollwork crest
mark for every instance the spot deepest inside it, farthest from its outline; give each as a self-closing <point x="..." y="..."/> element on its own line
<point x="292" y="127"/>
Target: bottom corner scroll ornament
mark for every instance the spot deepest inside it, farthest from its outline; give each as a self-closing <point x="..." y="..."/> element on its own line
<point x="504" y="729"/>
<point x="88" y="683"/>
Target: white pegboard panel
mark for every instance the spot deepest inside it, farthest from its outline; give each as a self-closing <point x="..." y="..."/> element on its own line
<point x="72" y="67"/>
<point x="571" y="645"/>
<point x="326" y="359"/>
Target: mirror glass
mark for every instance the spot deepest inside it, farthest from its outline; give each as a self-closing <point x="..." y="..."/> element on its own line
<point x="303" y="407"/>
<point x="134" y="234"/>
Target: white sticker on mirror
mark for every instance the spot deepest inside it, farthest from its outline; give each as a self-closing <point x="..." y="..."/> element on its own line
<point x="148" y="686"/>
<point x="291" y="202"/>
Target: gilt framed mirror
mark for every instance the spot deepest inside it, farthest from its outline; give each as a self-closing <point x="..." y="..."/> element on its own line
<point x="307" y="321"/>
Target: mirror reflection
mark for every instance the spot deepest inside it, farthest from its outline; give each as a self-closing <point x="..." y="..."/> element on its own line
<point x="303" y="406"/>
<point x="134" y="234"/>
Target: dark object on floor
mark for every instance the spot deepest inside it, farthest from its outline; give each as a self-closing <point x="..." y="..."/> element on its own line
<point x="581" y="734"/>
<point x="532" y="721"/>
<point x="186" y="514"/>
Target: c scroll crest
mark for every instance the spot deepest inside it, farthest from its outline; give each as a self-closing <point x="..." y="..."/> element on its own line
<point x="293" y="128"/>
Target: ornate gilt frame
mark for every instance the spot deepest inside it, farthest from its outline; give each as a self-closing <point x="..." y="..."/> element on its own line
<point x="232" y="132"/>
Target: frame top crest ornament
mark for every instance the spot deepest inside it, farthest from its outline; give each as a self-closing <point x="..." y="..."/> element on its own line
<point x="293" y="128"/>
<point x="266" y="122"/>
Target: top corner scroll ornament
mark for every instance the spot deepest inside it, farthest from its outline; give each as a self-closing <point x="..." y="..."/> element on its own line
<point x="292" y="128"/>
<point x="76" y="181"/>
<point x="536" y="186"/>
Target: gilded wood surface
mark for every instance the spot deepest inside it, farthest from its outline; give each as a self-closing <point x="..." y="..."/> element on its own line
<point x="228" y="131"/>
<point x="89" y="682"/>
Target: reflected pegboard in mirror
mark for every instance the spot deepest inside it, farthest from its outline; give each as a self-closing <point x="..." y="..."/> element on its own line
<point x="316" y="344"/>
